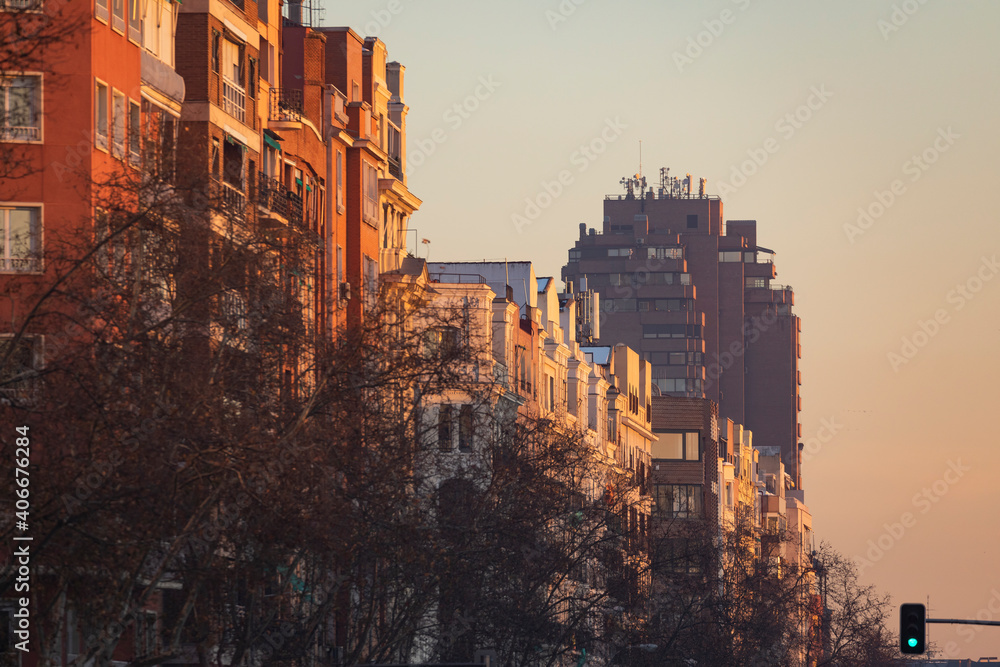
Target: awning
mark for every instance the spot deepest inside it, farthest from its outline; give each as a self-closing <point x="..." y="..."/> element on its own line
<point x="271" y="142"/>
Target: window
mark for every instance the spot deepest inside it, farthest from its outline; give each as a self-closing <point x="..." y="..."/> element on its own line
<point x="340" y="182"/>
<point x="730" y="256"/>
<point x="678" y="501"/>
<point x="19" y="367"/>
<point x="552" y="393"/>
<point x="340" y="266"/>
<point x="665" y="253"/>
<point x="216" y="38"/>
<point x="118" y="15"/>
<point x="156" y="26"/>
<point x="252" y="76"/>
<point x="135" y="132"/>
<point x="145" y="634"/>
<point x="233" y="92"/>
<point x="134" y="21"/>
<point x="370" y="267"/>
<point x="692" y="221"/>
<point x="216" y="159"/>
<point x="444" y="428"/>
<point x="757" y="282"/>
<point x="671" y="331"/>
<point x="619" y="252"/>
<point x="232" y="163"/>
<point x="7" y="632"/>
<point x="685" y="446"/>
<point x="118" y="125"/>
<point x="20" y="109"/>
<point x="21" y="238"/>
<point x="73" y="639"/>
<point x="678" y="385"/>
<point x="444" y="341"/>
<point x="574" y="255"/>
<point x="158" y="139"/>
<point x="466" y="428"/>
<point x="101" y="10"/>
<point x="370" y="194"/>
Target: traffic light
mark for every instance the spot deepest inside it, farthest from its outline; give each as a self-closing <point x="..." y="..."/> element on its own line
<point x="912" y="622"/>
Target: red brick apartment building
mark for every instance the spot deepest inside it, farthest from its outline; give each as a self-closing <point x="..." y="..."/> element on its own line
<point x="695" y="297"/>
<point x="256" y="121"/>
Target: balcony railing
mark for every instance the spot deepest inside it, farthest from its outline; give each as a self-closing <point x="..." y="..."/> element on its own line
<point x="234" y="202"/>
<point x="286" y="104"/>
<point x="10" y="133"/>
<point x="233" y="309"/>
<point x="471" y="278"/>
<point x="21" y="4"/>
<point x="25" y="264"/>
<point x="278" y="199"/>
<point x="500" y="375"/>
<point x="395" y="168"/>
<point x="234" y="99"/>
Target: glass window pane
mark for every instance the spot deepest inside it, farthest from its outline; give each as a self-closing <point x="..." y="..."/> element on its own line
<point x="20" y="233"/>
<point x="668" y="446"/>
<point x="691" y="447"/>
<point x="21" y="111"/>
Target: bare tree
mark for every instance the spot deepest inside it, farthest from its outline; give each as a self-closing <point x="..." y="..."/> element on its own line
<point x="728" y="599"/>
<point x="275" y="496"/>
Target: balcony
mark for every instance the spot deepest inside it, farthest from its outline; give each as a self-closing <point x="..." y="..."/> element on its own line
<point x="276" y="198"/>
<point x="395" y="168"/>
<point x="234" y="202"/>
<point x="500" y="375"/>
<point x="21" y="264"/>
<point x="10" y="133"/>
<point x="286" y="105"/>
<point x="233" y="309"/>
<point x="234" y="98"/>
<point x="27" y="5"/>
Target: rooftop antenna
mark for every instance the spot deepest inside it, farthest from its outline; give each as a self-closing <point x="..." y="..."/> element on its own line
<point x="640" y="158"/>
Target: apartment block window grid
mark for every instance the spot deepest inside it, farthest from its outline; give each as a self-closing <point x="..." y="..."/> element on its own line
<point x="21" y="108"/>
<point x="20" y="238"/>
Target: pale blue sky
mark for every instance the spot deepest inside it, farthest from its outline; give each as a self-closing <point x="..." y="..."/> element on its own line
<point x="891" y="95"/>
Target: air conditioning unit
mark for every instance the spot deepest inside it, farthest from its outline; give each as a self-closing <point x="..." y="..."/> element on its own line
<point x="345" y="291"/>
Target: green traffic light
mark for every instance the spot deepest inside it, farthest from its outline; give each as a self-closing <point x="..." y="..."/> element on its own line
<point x="912" y="641"/>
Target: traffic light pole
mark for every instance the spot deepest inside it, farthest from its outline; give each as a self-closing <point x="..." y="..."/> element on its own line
<point x="961" y="621"/>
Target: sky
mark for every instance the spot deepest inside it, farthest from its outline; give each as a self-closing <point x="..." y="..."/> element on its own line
<point x="861" y="135"/>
